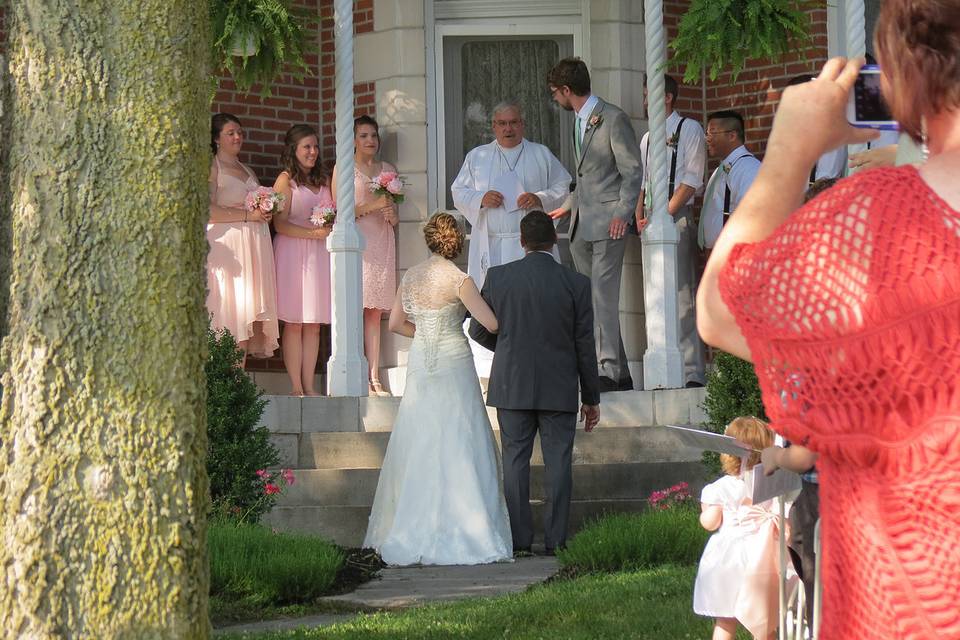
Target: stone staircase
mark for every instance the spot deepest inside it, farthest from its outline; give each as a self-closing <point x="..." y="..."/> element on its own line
<point x="336" y="447"/>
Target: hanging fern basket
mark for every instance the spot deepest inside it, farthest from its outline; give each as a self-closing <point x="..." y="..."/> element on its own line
<point x="257" y="41"/>
<point x="723" y="34"/>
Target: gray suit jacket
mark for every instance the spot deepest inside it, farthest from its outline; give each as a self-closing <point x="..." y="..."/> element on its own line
<point x="545" y="344"/>
<point x="609" y="174"/>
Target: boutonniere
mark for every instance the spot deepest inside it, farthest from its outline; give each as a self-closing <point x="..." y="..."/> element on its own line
<point x="726" y="167"/>
<point x="674" y="140"/>
<point x="595" y="121"/>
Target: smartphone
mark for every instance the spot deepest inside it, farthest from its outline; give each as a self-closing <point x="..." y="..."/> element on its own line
<point x="866" y="107"/>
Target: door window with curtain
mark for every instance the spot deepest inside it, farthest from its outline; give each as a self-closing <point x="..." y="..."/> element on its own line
<point x="482" y="71"/>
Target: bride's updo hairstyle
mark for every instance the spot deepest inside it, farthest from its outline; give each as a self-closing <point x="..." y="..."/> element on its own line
<point x="443" y="235"/>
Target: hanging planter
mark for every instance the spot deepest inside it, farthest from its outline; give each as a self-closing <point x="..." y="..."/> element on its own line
<point x="724" y="34"/>
<point x="256" y="41"/>
<point x="243" y="45"/>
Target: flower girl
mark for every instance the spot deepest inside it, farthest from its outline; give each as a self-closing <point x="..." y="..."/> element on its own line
<point x="738" y="577"/>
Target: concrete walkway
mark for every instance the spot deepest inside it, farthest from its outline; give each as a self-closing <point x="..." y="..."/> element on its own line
<point x="400" y="587"/>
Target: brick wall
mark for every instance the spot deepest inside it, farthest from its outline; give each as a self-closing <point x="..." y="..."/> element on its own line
<point x="756" y="91"/>
<point x="309" y="100"/>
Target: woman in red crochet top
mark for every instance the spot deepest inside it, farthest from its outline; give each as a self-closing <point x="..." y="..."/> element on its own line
<point x="849" y="308"/>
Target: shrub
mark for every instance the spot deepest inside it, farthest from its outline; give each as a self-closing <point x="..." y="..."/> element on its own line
<point x="252" y="563"/>
<point x="732" y="391"/>
<point x="630" y="541"/>
<point x="238" y="448"/>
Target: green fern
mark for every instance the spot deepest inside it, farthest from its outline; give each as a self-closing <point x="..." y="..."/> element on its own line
<point x="720" y="34"/>
<point x="279" y="34"/>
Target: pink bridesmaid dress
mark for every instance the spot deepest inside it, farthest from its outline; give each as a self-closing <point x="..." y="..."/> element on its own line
<point x="303" y="264"/>
<point x="380" y="254"/>
<point x="241" y="289"/>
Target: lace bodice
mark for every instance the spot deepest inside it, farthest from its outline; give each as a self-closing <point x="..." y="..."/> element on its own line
<point x="430" y="295"/>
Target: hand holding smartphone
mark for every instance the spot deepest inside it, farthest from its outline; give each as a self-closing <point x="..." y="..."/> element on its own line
<point x="866" y="107"/>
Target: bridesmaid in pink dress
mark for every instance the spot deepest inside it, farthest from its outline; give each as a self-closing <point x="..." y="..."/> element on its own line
<point x="241" y="290"/>
<point x="376" y="218"/>
<point x="303" y="264"/>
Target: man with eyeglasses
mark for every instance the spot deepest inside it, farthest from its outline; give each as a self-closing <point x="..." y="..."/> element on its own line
<point x="607" y="187"/>
<point x="731" y="179"/>
<point x="687" y="155"/>
<point x="497" y="185"/>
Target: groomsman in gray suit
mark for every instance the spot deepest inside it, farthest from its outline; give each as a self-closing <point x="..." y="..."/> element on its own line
<point x="608" y="182"/>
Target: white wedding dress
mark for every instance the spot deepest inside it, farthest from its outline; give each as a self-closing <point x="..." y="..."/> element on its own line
<point x="439" y="498"/>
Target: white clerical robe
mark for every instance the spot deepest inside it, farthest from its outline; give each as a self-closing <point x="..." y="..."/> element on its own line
<point x="495" y="234"/>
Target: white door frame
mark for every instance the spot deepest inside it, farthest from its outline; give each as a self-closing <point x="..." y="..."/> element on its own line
<point x="435" y="118"/>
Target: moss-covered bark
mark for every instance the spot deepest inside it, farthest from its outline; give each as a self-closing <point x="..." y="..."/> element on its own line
<point x="103" y="492"/>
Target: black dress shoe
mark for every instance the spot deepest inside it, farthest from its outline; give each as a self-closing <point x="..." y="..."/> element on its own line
<point x="607" y="384"/>
<point x="625" y="384"/>
<point x="693" y="384"/>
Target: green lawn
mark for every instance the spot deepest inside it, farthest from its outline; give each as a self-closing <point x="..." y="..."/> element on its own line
<point x="652" y="603"/>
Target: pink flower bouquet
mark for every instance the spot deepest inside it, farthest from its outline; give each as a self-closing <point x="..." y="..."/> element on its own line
<point x="263" y="198"/>
<point x="388" y="183"/>
<point x="323" y="215"/>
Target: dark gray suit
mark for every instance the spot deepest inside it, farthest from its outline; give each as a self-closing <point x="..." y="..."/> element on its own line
<point x="543" y="352"/>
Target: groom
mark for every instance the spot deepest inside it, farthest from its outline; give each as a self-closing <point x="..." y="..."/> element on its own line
<point x="543" y="349"/>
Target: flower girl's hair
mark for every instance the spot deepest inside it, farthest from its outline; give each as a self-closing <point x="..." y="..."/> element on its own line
<point x="751" y="431"/>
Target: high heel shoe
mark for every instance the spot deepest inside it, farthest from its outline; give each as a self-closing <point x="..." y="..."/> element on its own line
<point x="376" y="389"/>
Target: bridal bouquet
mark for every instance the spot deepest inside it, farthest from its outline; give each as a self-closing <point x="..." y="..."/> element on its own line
<point x="263" y="198"/>
<point x="389" y="184"/>
<point x="323" y="215"/>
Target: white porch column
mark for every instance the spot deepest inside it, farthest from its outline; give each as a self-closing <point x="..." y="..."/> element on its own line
<point x="347" y="367"/>
<point x="856" y="23"/>
<point x="662" y="362"/>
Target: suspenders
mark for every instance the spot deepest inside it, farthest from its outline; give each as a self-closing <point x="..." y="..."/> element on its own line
<point x="726" y="189"/>
<point x="813" y="175"/>
<point x="673" y="159"/>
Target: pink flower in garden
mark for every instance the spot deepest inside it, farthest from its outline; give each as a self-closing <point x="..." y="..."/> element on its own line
<point x="271" y="489"/>
<point x="262" y="473"/>
<point x="287" y="476"/>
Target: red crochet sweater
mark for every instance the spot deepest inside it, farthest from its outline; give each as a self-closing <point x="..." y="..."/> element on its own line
<point x="851" y="310"/>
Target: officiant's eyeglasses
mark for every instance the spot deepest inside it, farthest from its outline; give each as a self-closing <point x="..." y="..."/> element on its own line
<point x="505" y="123"/>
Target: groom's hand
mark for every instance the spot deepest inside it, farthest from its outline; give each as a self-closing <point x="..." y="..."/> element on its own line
<point x="590" y="416"/>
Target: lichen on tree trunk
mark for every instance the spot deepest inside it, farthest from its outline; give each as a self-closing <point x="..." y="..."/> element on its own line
<point x="103" y="493"/>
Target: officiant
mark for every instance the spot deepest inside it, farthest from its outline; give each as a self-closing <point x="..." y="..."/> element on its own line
<point x="499" y="183"/>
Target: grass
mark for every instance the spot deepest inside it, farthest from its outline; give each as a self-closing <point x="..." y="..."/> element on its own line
<point x="255" y="572"/>
<point x="650" y="604"/>
<point x="630" y="541"/>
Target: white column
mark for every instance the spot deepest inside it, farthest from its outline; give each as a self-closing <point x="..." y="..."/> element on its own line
<point x="662" y="362"/>
<point x="856" y="23"/>
<point x="347" y="367"/>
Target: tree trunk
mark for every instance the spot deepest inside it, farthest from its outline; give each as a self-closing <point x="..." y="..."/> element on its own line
<point x="103" y="493"/>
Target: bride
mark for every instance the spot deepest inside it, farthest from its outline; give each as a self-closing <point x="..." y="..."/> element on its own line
<point x="439" y="498"/>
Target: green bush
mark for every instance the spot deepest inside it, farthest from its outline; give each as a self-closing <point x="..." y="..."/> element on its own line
<point x="631" y="541"/>
<point x="253" y="564"/>
<point x="237" y="447"/>
<point x="732" y="391"/>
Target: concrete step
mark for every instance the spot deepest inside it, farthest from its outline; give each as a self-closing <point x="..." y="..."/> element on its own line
<point x="347" y="525"/>
<point x="295" y="415"/>
<point x="607" y="445"/>
<point x="629" y="481"/>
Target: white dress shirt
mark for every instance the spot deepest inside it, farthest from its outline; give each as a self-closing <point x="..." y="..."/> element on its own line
<point x="738" y="176"/>
<point x="691" y="154"/>
<point x="584" y="114"/>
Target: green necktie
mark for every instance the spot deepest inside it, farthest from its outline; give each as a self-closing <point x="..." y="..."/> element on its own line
<point x="576" y="136"/>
